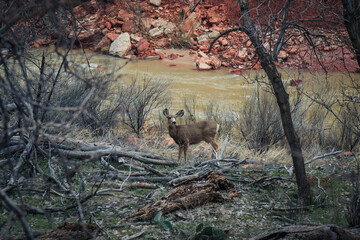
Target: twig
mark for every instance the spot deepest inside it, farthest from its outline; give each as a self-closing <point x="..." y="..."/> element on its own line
<point x="20" y="214"/>
<point x="269" y="179"/>
<point x="213" y="151"/>
<point x="290" y="169"/>
<point x="284" y="219"/>
<point x="238" y="161"/>
<point x="97" y="224"/>
<point x="79" y="206"/>
<point x="22" y="158"/>
<point x="136" y="235"/>
<point x="154" y="171"/>
<point x="323" y="156"/>
<point x="320" y="187"/>
<point x="296" y="208"/>
<point x="122" y="184"/>
<point x="107" y="164"/>
<point x="223" y="146"/>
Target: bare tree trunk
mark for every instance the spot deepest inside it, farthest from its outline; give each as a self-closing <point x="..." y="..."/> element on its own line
<point x="282" y="98"/>
<point x="351" y="13"/>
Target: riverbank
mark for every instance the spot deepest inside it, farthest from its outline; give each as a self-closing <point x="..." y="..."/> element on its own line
<point x="170" y="31"/>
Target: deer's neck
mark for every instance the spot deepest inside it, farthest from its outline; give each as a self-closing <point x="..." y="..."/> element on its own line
<point x="172" y="130"/>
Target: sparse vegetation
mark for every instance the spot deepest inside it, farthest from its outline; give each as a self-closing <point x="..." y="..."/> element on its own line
<point x="136" y="101"/>
<point x="268" y="193"/>
<point x="65" y="159"/>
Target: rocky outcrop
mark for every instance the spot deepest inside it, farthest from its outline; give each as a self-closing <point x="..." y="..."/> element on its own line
<point x="166" y="24"/>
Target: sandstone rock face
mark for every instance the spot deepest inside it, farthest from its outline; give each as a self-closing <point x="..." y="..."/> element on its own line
<point x="121" y="46"/>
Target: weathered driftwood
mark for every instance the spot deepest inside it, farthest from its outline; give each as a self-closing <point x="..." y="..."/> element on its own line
<point x="199" y="191"/>
<point x="309" y="232"/>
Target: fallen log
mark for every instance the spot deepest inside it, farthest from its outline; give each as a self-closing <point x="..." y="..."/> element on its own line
<point x="139" y="178"/>
<point x="197" y="192"/>
<point x="114" y="151"/>
<point x="127" y="185"/>
<point x="309" y="232"/>
<point x="181" y="180"/>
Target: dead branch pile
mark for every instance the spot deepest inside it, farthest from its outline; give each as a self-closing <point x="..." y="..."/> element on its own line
<point x="82" y="150"/>
<point x="52" y="147"/>
<point x="195" y="192"/>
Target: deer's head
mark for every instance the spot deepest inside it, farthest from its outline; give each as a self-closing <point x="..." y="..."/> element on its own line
<point x="172" y="118"/>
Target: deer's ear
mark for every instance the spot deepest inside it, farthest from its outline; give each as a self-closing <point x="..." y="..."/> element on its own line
<point x="166" y="112"/>
<point x="180" y="113"/>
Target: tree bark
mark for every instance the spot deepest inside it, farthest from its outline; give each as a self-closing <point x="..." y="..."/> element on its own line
<point x="282" y="98"/>
<point x="351" y="14"/>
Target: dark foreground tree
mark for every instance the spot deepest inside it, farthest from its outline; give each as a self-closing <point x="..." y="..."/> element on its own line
<point x="272" y="28"/>
<point x="282" y="97"/>
<point x="351" y="13"/>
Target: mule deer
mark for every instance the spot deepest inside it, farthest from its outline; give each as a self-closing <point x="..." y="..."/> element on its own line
<point x="185" y="135"/>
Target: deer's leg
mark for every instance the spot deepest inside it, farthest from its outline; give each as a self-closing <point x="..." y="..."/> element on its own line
<point x="180" y="150"/>
<point x="186" y="146"/>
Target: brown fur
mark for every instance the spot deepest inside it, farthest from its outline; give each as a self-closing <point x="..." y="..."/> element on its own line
<point x="185" y="135"/>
